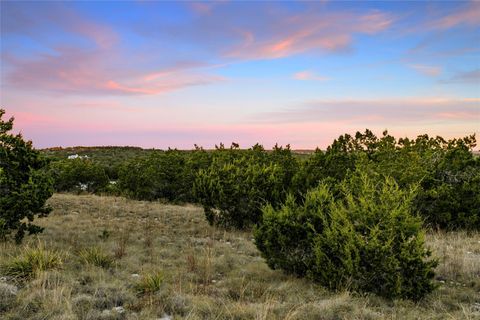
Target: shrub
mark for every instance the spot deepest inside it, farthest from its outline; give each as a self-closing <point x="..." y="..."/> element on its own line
<point x="24" y="186"/>
<point x="198" y="159"/>
<point x="162" y="175"/>
<point x="97" y="257"/>
<point x="337" y="160"/>
<point x="286" y="236"/>
<point x="310" y="172"/>
<point x="448" y="174"/>
<point x="394" y="261"/>
<point x="284" y="158"/>
<point x="366" y="239"/>
<point x="31" y="261"/>
<point x="446" y="171"/>
<point x="232" y="192"/>
<point x="450" y="196"/>
<point x="78" y="175"/>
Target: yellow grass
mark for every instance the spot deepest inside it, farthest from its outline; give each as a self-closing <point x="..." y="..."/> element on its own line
<point x="207" y="273"/>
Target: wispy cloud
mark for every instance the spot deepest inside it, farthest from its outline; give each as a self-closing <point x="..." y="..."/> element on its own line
<point x="388" y="112"/>
<point x="162" y="83"/>
<point x="202" y="7"/>
<point x="71" y="70"/>
<point x="437" y="28"/>
<point x="39" y="21"/>
<point x="103" y="67"/>
<point x="472" y="76"/>
<point x="95" y="69"/>
<point x="267" y="30"/>
<point x="468" y="14"/>
<point x="313" y="31"/>
<point x="307" y="75"/>
<point x="432" y="71"/>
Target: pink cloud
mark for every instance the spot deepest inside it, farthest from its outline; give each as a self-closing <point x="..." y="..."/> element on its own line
<point x="472" y="76"/>
<point x="454" y="115"/>
<point x="269" y="30"/>
<point x="38" y="21"/>
<point x="103" y="105"/>
<point x="390" y="112"/>
<point x="308" y="75"/>
<point x="175" y="68"/>
<point x="468" y="15"/>
<point x="298" y="43"/>
<point x="116" y="87"/>
<point x="374" y="22"/>
<point x="162" y="83"/>
<point x="103" y="36"/>
<point x="432" y="71"/>
<point x="102" y="69"/>
<point x="291" y="35"/>
<point x="202" y="7"/>
<point x="93" y="72"/>
<point x="27" y="119"/>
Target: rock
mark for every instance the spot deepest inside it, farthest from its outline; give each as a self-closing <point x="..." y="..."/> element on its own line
<point x="119" y="309"/>
<point x="135" y="275"/>
<point x="8" y="289"/>
<point x="106" y="312"/>
<point x="8" y="296"/>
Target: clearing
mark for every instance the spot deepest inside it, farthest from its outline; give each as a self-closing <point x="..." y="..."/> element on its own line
<point x="207" y="273"/>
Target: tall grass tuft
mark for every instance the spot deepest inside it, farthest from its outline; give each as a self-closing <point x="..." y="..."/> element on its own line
<point x="97" y="257"/>
<point x="120" y="249"/>
<point x="31" y="261"/>
<point x="150" y="283"/>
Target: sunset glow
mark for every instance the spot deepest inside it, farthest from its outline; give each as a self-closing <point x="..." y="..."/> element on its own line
<point x="175" y="74"/>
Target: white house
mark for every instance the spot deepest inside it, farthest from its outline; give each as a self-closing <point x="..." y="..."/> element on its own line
<point x="76" y="156"/>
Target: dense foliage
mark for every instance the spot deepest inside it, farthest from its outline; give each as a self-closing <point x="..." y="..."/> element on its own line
<point x="450" y="197"/>
<point x="447" y="172"/>
<point x="78" y="174"/>
<point x="365" y="239"/>
<point x="161" y="175"/>
<point x="237" y="184"/>
<point x="109" y="157"/>
<point x="24" y="186"/>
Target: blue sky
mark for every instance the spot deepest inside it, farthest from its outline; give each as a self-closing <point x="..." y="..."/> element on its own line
<point x="160" y="74"/>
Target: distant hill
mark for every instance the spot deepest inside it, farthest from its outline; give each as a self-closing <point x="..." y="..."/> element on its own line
<point x="115" y="153"/>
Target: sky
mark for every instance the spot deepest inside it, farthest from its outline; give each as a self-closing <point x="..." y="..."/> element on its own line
<point x="175" y="74"/>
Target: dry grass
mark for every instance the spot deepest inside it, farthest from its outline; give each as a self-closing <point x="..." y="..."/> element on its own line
<point x="193" y="271"/>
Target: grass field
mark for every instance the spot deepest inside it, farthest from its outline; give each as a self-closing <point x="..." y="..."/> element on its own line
<point x="113" y="258"/>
